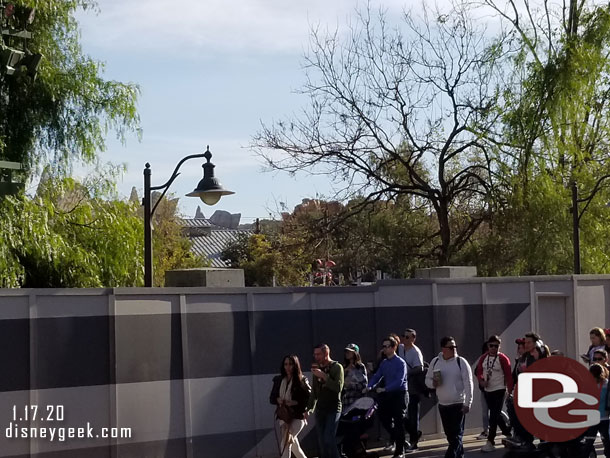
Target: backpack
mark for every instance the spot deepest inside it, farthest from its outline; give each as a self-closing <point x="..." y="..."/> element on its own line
<point x="435" y="360"/>
<point x="417" y="382"/>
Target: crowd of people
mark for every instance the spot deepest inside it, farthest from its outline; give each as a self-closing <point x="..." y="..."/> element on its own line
<point x="400" y="380"/>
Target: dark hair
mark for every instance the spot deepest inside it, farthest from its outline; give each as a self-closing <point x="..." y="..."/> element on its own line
<point x="599" y="372"/>
<point x="445" y="340"/>
<point x="297" y="374"/>
<point x="543" y="350"/>
<point x="322" y="346"/>
<point x="357" y="359"/>
<point x="602" y="352"/>
<point x="495" y="339"/>
<point x="532" y="335"/>
<point x="410" y="331"/>
<point x="392" y="340"/>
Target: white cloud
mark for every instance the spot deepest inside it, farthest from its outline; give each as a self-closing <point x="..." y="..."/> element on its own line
<point x="195" y="26"/>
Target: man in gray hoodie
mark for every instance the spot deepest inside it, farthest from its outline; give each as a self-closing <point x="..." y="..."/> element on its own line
<point x="450" y="375"/>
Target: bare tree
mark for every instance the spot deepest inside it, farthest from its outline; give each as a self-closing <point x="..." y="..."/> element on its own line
<point x="399" y="111"/>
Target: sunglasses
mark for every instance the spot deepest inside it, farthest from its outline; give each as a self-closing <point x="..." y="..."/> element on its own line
<point x="493" y="345"/>
<point x="386" y="346"/>
<point x="598" y="359"/>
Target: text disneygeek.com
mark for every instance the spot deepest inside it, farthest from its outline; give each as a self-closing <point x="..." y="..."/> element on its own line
<point x="55" y="413"/>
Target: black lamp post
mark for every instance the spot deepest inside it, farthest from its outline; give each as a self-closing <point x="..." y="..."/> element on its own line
<point x="209" y="190"/>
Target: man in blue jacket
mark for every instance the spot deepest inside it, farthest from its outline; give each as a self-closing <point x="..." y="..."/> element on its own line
<point x="393" y="370"/>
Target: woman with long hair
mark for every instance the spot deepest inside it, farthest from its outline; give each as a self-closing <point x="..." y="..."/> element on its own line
<point x="355" y="378"/>
<point x="598" y="342"/>
<point x="600" y="373"/>
<point x="291" y="389"/>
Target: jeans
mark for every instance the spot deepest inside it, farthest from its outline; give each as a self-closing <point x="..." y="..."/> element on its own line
<point x="484" y="411"/>
<point x="495" y="401"/>
<point x="603" y="428"/>
<point x="391" y="414"/>
<point x="521" y="433"/>
<point x="413" y="418"/>
<point x="294" y="429"/>
<point x="326" y="430"/>
<point x="453" y="419"/>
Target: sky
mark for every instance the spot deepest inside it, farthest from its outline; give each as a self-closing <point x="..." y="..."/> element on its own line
<point x="210" y="72"/>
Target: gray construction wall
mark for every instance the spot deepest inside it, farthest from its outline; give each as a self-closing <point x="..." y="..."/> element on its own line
<point x="189" y="369"/>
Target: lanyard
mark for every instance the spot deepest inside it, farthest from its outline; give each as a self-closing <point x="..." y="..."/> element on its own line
<point x="491" y="366"/>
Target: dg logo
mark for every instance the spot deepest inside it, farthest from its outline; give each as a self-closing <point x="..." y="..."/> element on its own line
<point x="557" y="399"/>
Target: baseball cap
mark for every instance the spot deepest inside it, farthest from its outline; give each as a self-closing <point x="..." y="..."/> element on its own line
<point x="353" y="347"/>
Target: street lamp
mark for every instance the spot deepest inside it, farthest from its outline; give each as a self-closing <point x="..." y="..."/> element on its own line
<point x="209" y="190"/>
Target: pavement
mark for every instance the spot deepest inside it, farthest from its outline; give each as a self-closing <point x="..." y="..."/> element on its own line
<point x="435" y="448"/>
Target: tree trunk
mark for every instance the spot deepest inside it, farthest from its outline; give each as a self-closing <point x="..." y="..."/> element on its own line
<point x="442" y="213"/>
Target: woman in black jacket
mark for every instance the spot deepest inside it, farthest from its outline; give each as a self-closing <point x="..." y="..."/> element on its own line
<point x="291" y="389"/>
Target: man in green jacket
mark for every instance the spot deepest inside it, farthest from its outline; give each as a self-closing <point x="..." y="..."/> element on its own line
<point x="326" y="399"/>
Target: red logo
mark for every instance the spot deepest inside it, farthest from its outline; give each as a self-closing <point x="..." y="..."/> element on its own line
<point x="557" y="399"/>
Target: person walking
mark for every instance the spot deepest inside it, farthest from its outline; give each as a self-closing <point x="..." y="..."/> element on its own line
<point x="600" y="373"/>
<point x="325" y="399"/>
<point x="291" y="389"/>
<point x="534" y="349"/>
<point x="354" y="376"/>
<point x="494" y="375"/>
<point x="393" y="370"/>
<point x="451" y="376"/>
<point x="484" y="406"/>
<point x="416" y="385"/>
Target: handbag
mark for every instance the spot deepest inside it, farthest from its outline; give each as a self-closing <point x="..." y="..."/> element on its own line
<point x="284" y="413"/>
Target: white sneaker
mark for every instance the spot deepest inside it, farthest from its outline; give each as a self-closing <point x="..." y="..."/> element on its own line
<point x="482" y="436"/>
<point x="389" y="448"/>
<point x="488" y="447"/>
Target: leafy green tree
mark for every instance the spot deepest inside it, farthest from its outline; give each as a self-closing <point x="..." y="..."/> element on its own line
<point x="70" y="234"/>
<point x="80" y="234"/>
<point x="268" y="260"/>
<point x="65" y="112"/>
<point x="394" y="237"/>
<point x="556" y="136"/>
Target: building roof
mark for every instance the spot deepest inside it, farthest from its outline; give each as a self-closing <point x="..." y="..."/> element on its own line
<point x="196" y="222"/>
<point x="211" y="241"/>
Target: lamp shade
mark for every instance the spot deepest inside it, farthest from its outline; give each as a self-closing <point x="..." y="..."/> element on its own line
<point x="209" y="189"/>
<point x="210" y="197"/>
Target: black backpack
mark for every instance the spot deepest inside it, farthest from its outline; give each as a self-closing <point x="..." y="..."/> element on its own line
<point x="417" y="381"/>
<point x="432" y="391"/>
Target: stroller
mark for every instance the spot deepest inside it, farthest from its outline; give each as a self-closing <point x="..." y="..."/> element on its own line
<point x="353" y="424"/>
